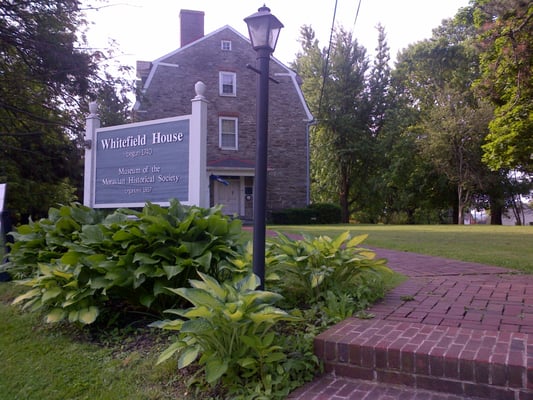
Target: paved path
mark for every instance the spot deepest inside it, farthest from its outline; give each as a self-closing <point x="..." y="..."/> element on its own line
<point x="456" y="293"/>
<point x="441" y="292"/>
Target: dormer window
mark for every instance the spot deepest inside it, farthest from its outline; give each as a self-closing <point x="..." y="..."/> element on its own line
<point x="227" y="83"/>
<point x="225" y="45"/>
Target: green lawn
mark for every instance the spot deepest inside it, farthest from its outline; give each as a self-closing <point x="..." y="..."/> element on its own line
<point x="41" y="362"/>
<point x="505" y="246"/>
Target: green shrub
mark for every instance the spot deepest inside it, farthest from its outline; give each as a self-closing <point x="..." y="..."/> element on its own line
<point x="229" y="332"/>
<point x="294" y="216"/>
<point x="307" y="270"/>
<point x="326" y="213"/>
<point x="48" y="239"/>
<point x="321" y="213"/>
<point x="77" y="265"/>
<point x="397" y="218"/>
<point x="80" y="265"/>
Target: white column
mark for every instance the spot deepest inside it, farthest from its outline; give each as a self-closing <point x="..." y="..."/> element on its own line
<point x="92" y="123"/>
<point x="198" y="183"/>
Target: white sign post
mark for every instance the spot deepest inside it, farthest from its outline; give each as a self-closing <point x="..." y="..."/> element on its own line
<point x="2" y="196"/>
<point x="2" y="200"/>
<point x="128" y="165"/>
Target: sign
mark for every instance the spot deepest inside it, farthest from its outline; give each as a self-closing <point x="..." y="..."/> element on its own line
<point x="140" y="162"/>
<point x="2" y="195"/>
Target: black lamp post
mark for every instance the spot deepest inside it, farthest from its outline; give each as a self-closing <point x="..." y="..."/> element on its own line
<point x="263" y="29"/>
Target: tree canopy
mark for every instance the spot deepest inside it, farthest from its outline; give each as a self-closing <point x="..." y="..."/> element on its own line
<point x="447" y="128"/>
<point x="47" y="76"/>
<point x="440" y="131"/>
<point x="506" y="41"/>
<point x="348" y="97"/>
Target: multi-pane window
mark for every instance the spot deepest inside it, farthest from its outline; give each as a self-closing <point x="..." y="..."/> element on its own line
<point x="228" y="138"/>
<point x="225" y="45"/>
<point x="228" y="83"/>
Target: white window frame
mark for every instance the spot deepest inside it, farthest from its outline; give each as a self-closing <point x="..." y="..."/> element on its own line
<point x="222" y="79"/>
<point x="221" y="133"/>
<point x="225" y="45"/>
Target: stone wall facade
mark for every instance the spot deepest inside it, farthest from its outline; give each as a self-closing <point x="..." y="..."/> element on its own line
<point x="168" y="87"/>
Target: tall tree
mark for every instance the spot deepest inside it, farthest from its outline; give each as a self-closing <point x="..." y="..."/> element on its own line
<point x="349" y="112"/>
<point x="454" y="131"/>
<point x="46" y="78"/>
<point x="41" y="73"/>
<point x="506" y="41"/>
<point x="413" y="190"/>
<point x="453" y="122"/>
<point x="310" y="64"/>
<point x="379" y="83"/>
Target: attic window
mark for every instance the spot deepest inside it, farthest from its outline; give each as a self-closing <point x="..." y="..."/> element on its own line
<point x="225" y="45"/>
<point x="227" y="83"/>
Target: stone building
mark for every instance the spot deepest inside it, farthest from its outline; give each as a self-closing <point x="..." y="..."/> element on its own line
<point x="221" y="60"/>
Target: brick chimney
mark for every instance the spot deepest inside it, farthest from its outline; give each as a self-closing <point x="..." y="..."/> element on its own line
<point x="191" y="26"/>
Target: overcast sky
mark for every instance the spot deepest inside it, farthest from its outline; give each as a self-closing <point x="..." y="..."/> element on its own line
<point x="149" y="29"/>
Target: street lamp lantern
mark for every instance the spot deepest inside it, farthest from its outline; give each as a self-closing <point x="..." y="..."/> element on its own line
<point x="264" y="29"/>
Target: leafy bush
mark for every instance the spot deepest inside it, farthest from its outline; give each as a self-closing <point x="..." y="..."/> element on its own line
<point x="229" y="330"/>
<point x="242" y="342"/>
<point x="293" y="216"/>
<point x="78" y="265"/>
<point x="48" y="239"/>
<point x="313" y="214"/>
<point x="307" y="270"/>
<point x="326" y="213"/>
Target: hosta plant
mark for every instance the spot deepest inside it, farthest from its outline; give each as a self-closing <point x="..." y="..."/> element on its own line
<point x="228" y="331"/>
<point x="56" y="289"/>
<point x="313" y="269"/>
<point x="76" y="261"/>
<point x="48" y="239"/>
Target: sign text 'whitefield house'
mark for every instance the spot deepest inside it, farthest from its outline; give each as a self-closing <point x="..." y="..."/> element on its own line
<point x="128" y="165"/>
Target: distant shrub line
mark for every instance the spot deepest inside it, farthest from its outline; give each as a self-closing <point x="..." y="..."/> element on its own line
<point x="320" y="213"/>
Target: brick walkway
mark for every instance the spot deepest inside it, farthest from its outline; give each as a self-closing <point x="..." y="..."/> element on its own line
<point x="458" y="294"/>
<point x="466" y="323"/>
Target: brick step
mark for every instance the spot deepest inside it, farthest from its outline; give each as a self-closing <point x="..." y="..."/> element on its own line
<point x="330" y="387"/>
<point x="460" y="361"/>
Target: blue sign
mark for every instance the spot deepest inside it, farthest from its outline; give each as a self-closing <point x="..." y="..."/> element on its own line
<point x="140" y="162"/>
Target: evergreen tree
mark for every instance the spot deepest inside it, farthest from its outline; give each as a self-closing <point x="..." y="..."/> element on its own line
<point x="348" y="99"/>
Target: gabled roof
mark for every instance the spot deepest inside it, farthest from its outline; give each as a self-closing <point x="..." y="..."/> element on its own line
<point x="294" y="77"/>
<point x="192" y="44"/>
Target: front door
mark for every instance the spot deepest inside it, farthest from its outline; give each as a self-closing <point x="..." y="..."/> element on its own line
<point x="229" y="195"/>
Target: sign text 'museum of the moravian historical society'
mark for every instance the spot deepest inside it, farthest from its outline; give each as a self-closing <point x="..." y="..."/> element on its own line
<point x="142" y="162"/>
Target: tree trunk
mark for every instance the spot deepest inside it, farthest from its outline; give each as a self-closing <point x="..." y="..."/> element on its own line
<point x="496" y="213"/>
<point x="460" y="206"/>
<point x="518" y="211"/>
<point x="345" y="212"/>
<point x="343" y="197"/>
<point x="455" y="215"/>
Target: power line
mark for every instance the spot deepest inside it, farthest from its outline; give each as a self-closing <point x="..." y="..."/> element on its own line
<point x="356" y="15"/>
<point x="327" y="58"/>
<point x="326" y="67"/>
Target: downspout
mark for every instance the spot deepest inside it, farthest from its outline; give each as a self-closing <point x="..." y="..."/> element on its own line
<point x="308" y="159"/>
